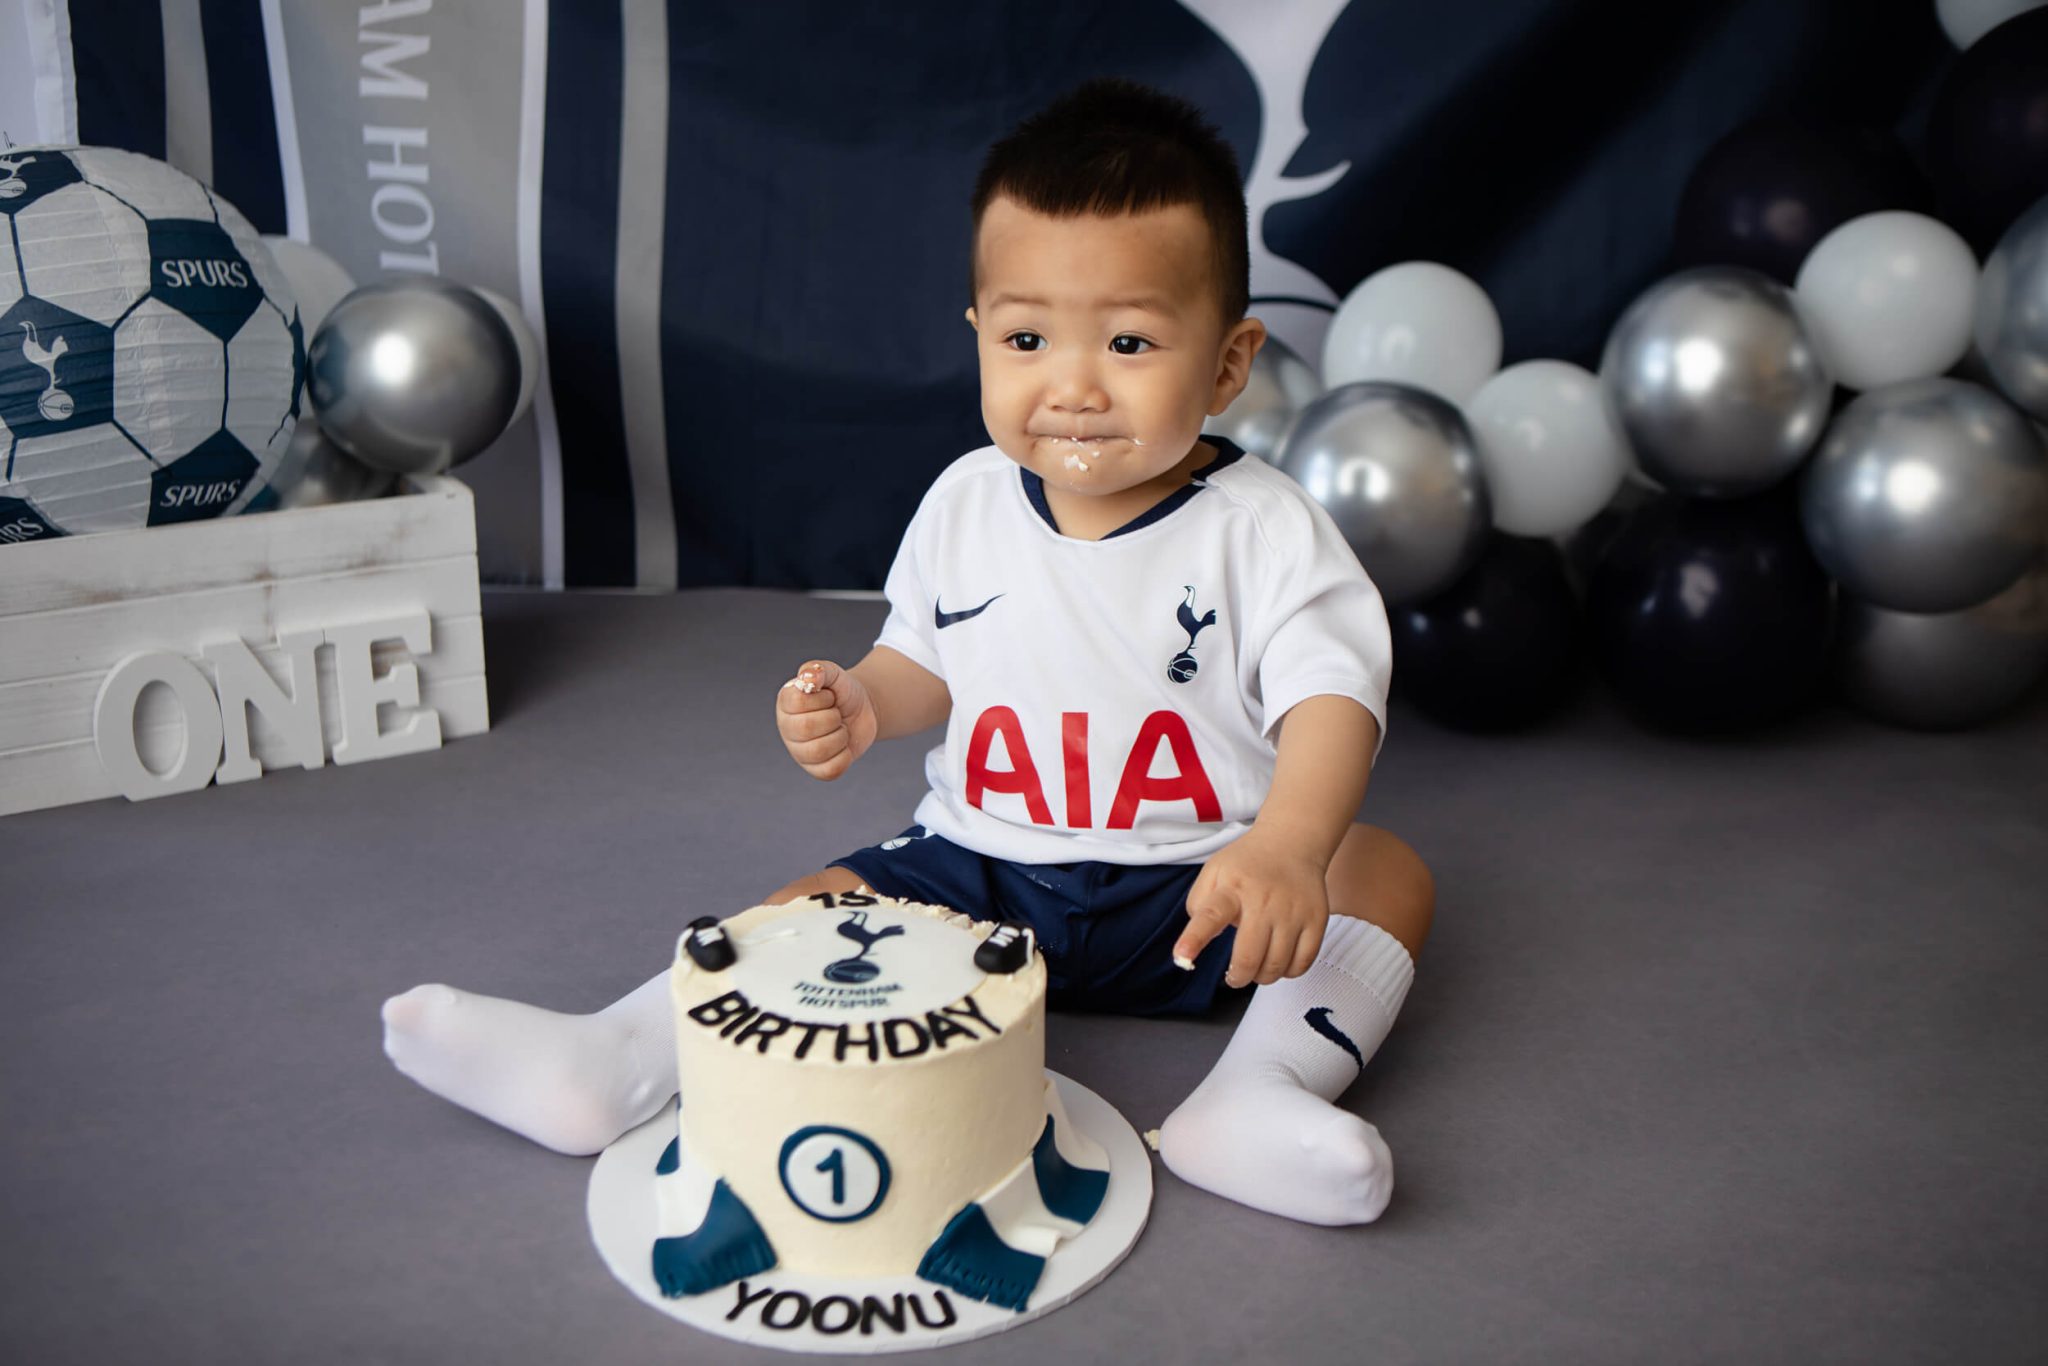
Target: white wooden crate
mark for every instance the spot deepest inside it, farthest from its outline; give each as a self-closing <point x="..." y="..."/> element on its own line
<point x="380" y="596"/>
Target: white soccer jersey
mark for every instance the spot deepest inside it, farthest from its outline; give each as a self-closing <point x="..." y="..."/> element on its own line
<point x="1115" y="699"/>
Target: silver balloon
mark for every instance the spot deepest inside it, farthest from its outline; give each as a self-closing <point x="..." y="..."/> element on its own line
<point x="1281" y="385"/>
<point x="413" y="376"/>
<point x="1716" y="382"/>
<point x="527" y="344"/>
<point x="1398" y="470"/>
<point x="1945" y="670"/>
<point x="2012" y="312"/>
<point x="1927" y="496"/>
<point x="314" y="472"/>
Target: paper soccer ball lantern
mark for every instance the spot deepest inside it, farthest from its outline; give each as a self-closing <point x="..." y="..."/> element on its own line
<point x="151" y="357"/>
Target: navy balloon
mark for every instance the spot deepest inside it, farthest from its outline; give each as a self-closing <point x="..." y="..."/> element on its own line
<point x="1768" y="191"/>
<point x="1987" y="132"/>
<point x="1500" y="649"/>
<point x="1711" y="616"/>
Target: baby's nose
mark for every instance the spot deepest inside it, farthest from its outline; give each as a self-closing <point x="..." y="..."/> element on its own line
<point x="1076" y="390"/>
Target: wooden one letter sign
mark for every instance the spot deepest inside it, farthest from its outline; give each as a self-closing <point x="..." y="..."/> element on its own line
<point x="216" y="714"/>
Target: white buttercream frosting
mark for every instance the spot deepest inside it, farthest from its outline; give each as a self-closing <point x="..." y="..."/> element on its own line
<point x="854" y="1078"/>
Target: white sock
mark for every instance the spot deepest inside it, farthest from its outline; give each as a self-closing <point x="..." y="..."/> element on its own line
<point x="569" y="1082"/>
<point x="1260" y="1129"/>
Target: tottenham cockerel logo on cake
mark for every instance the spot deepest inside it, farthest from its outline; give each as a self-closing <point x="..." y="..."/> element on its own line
<point x="151" y="356"/>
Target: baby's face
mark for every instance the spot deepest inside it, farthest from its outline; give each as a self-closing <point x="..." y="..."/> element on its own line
<point x="1102" y="343"/>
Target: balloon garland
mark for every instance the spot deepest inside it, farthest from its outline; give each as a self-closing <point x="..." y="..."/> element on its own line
<point x="1812" y="460"/>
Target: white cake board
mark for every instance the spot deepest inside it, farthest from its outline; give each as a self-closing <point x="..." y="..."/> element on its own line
<point x="622" y="1206"/>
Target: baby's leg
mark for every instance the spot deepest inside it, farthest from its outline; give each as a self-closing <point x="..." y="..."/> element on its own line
<point x="572" y="1083"/>
<point x="1261" y="1128"/>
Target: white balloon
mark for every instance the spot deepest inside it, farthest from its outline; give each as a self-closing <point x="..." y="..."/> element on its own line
<point x="1888" y="297"/>
<point x="1417" y="323"/>
<point x="318" y="281"/>
<point x="1553" y="453"/>
<point x="1965" y="21"/>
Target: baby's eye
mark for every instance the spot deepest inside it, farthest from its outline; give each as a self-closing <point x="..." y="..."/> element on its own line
<point x="1118" y="345"/>
<point x="1024" y="341"/>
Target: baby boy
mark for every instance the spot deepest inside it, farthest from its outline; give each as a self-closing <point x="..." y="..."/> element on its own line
<point x="1162" y="675"/>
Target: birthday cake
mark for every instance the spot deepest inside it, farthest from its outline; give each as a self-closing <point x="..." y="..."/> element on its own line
<point x="863" y="1094"/>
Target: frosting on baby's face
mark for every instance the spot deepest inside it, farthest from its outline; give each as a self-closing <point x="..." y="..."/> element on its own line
<point x="1102" y="345"/>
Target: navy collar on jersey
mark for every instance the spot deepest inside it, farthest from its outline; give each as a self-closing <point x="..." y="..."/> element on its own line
<point x="1227" y="453"/>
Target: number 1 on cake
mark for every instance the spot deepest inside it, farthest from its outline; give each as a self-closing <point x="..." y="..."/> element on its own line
<point x="836" y="1164"/>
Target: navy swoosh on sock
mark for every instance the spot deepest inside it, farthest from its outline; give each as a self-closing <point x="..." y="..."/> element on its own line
<point x="1319" y="1020"/>
<point x="943" y="619"/>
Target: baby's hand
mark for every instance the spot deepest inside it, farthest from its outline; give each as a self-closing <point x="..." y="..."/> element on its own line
<point x="826" y="719"/>
<point x="1277" y="898"/>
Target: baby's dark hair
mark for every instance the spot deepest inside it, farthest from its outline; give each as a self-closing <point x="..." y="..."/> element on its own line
<point x="1112" y="146"/>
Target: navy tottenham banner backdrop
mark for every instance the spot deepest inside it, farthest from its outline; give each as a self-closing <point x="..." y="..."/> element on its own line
<point x="741" y="227"/>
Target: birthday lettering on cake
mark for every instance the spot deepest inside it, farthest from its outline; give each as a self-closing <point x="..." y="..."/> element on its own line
<point x="784" y="1310"/>
<point x="741" y="1022"/>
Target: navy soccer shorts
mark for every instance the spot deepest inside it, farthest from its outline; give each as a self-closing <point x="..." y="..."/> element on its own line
<point x="1107" y="929"/>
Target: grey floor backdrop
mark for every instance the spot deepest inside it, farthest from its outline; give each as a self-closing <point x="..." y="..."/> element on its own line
<point x="1719" y="1053"/>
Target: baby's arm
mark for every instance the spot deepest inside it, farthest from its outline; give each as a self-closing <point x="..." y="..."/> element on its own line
<point x="829" y="716"/>
<point x="1270" y="881"/>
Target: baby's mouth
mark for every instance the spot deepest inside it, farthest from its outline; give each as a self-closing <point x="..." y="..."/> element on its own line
<point x="1082" y="449"/>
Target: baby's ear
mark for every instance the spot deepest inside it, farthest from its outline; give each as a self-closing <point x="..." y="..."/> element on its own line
<point x="971" y="320"/>
<point x="1235" y="369"/>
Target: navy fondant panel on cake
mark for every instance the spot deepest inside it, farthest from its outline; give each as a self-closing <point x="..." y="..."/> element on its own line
<point x="972" y="1255"/>
<point x="1069" y="1191"/>
<point x="725" y="1247"/>
<point x="970" y="1258"/>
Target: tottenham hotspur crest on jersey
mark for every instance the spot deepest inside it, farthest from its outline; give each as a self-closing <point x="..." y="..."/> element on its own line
<point x="1183" y="666"/>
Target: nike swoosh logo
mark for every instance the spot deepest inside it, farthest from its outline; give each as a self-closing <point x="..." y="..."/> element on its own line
<point x="942" y="619"/>
<point x="1319" y="1020"/>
